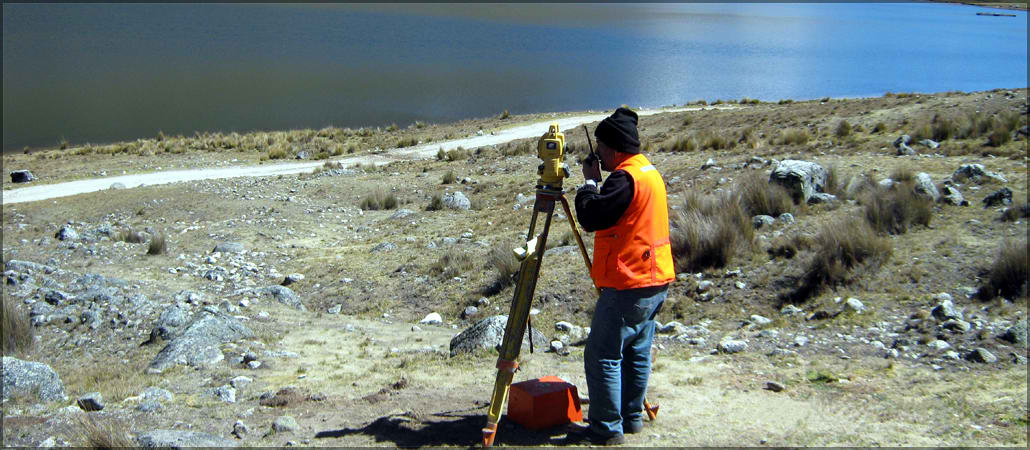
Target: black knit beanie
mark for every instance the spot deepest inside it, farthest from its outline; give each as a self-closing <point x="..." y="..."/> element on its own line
<point x="619" y="131"/>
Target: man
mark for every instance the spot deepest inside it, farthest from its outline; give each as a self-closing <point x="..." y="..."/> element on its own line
<point x="632" y="265"/>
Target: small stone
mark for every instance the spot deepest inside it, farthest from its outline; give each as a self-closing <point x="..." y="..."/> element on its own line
<point x="759" y="320"/>
<point x="241" y="381"/>
<point x="557" y="346"/>
<point x="225" y="393"/>
<point x="240" y="429"/>
<point x="956" y="325"/>
<point x="708" y="164"/>
<point x="981" y="355"/>
<point x="740" y="285"/>
<point x="335" y="309"/>
<point x="800" y="341"/>
<point x="762" y="220"/>
<point x="786" y="218"/>
<point x="92" y="401"/>
<point x="951" y="354"/>
<point x="292" y="278"/>
<point x="854" y="305"/>
<point x="939" y="345"/>
<point x="946" y="311"/>
<point x="704" y="286"/>
<point x="732" y="346"/>
<point x="253" y="364"/>
<point x="469" y="312"/>
<point x="791" y="310"/>
<point x="774" y="386"/>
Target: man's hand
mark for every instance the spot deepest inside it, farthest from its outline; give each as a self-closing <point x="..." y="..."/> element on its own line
<point x="592" y="168"/>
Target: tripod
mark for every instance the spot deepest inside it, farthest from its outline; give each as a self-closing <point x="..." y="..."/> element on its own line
<point x="548" y="190"/>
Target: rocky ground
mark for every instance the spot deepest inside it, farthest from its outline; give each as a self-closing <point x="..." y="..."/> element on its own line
<point x="286" y="311"/>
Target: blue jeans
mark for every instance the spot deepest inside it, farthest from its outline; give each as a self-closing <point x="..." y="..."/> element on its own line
<point x="617" y="360"/>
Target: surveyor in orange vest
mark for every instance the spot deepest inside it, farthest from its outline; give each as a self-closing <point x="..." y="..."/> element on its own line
<point x="632" y="265"/>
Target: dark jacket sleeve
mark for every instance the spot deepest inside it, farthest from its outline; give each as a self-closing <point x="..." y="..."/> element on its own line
<point x="599" y="210"/>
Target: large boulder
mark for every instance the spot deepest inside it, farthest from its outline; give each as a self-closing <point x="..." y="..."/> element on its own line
<point x="176" y="439"/>
<point x="456" y="200"/>
<point x="924" y="185"/>
<point x="1002" y="196"/>
<point x="488" y="334"/>
<point x="952" y="196"/>
<point x="199" y="344"/>
<point x="21" y="176"/>
<point x="801" y="178"/>
<point x="27" y="266"/>
<point x="976" y="173"/>
<point x="229" y="247"/>
<point x="28" y="378"/>
<point x="284" y="295"/>
<point x="1016" y="334"/>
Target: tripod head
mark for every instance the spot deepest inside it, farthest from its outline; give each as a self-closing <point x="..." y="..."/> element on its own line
<point x="551" y="148"/>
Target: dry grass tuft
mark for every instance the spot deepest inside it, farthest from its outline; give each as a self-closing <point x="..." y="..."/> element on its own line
<point x="794" y="137"/>
<point x="130" y="236"/>
<point x="507" y="267"/>
<point x="104" y="434"/>
<point x="379" y="199"/>
<point x="158" y="244"/>
<point x="436" y="203"/>
<point x="759" y="196"/>
<point x="788" y="247"/>
<point x="448" y="178"/>
<point x="1008" y="275"/>
<point x="18" y="335"/>
<point x="1014" y="213"/>
<point x="894" y="210"/>
<point x="452" y="264"/>
<point x="709" y="231"/>
<point x="844" y="251"/>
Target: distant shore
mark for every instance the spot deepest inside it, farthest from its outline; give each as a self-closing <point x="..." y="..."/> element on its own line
<point x="1013" y="6"/>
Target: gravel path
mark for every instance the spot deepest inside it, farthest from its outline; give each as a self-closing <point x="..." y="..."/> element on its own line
<point x="49" y="191"/>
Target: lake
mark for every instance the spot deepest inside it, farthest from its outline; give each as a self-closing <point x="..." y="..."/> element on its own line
<point x="102" y="73"/>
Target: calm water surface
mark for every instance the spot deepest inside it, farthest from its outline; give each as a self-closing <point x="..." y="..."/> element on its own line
<point x="100" y="73"/>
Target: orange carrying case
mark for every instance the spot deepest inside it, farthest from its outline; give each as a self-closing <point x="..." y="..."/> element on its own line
<point x="544" y="403"/>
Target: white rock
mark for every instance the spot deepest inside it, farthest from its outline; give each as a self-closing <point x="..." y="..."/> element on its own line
<point x="432" y="319"/>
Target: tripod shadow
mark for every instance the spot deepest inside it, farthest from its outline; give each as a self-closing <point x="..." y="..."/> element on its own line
<point x="446" y="429"/>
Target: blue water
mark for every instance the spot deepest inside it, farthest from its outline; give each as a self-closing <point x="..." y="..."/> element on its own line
<point x="100" y="73"/>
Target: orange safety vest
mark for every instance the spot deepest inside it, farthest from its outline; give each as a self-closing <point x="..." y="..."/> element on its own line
<point x="635" y="252"/>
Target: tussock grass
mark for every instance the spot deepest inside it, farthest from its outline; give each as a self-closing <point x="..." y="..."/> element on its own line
<point x="903" y="175"/>
<point x="833" y="183"/>
<point x="103" y="434"/>
<point x="844" y="251"/>
<point x="452" y="264"/>
<point x="880" y="127"/>
<point x="506" y="266"/>
<point x="448" y="178"/>
<point x="759" y="196"/>
<point x="1008" y="273"/>
<point x="794" y="137"/>
<point x="379" y="199"/>
<point x="158" y="244"/>
<point x="459" y="153"/>
<point x="18" y="335"/>
<point x="407" y="142"/>
<point x="1014" y="213"/>
<point x="709" y="231"/>
<point x="843" y="129"/>
<point x="131" y="236"/>
<point x="504" y="115"/>
<point x="788" y="247"/>
<point x="894" y="210"/>
<point x="436" y="203"/>
<point x="276" y="153"/>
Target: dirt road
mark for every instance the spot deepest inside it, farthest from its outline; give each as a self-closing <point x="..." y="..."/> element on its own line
<point x="49" y="191"/>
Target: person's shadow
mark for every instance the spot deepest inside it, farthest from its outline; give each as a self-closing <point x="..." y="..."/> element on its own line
<point x="448" y="428"/>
